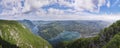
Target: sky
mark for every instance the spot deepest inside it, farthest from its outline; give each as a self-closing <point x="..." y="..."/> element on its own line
<point x="60" y="9"/>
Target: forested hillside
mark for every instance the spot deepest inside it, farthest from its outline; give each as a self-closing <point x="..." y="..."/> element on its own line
<point x="15" y="35"/>
<point x="108" y="38"/>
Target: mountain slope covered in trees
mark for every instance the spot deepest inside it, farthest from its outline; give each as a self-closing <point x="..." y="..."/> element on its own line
<point x="108" y="38"/>
<point x="15" y="35"/>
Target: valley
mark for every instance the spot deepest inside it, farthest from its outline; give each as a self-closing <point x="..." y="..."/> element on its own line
<point x="59" y="34"/>
<point x="59" y="23"/>
<point x="60" y="31"/>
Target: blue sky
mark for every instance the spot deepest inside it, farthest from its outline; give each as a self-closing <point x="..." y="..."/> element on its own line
<point x="114" y="7"/>
<point x="58" y="8"/>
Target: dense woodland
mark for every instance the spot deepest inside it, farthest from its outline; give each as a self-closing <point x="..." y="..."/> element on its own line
<point x="108" y="38"/>
<point x="14" y="35"/>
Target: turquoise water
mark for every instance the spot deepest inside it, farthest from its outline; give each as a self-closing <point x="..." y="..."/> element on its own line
<point x="65" y="36"/>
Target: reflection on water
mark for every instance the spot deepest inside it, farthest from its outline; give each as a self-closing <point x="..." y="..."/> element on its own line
<point x="65" y="36"/>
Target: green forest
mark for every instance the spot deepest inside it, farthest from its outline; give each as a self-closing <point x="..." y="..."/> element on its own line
<point x="107" y="38"/>
<point x="16" y="35"/>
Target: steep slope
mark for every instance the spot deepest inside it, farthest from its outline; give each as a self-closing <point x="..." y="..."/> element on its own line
<point x="15" y="35"/>
<point x="108" y="38"/>
<point x="32" y="27"/>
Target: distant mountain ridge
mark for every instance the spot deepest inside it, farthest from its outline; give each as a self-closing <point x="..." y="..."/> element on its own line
<point x="39" y="26"/>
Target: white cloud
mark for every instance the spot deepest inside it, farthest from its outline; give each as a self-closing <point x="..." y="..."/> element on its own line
<point x="35" y="4"/>
<point x="14" y="6"/>
<point x="101" y="2"/>
<point x="108" y="4"/>
<point x="112" y="17"/>
<point x="84" y="5"/>
<point x="81" y="5"/>
<point x="10" y="6"/>
<point x="14" y="10"/>
<point x="55" y="11"/>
